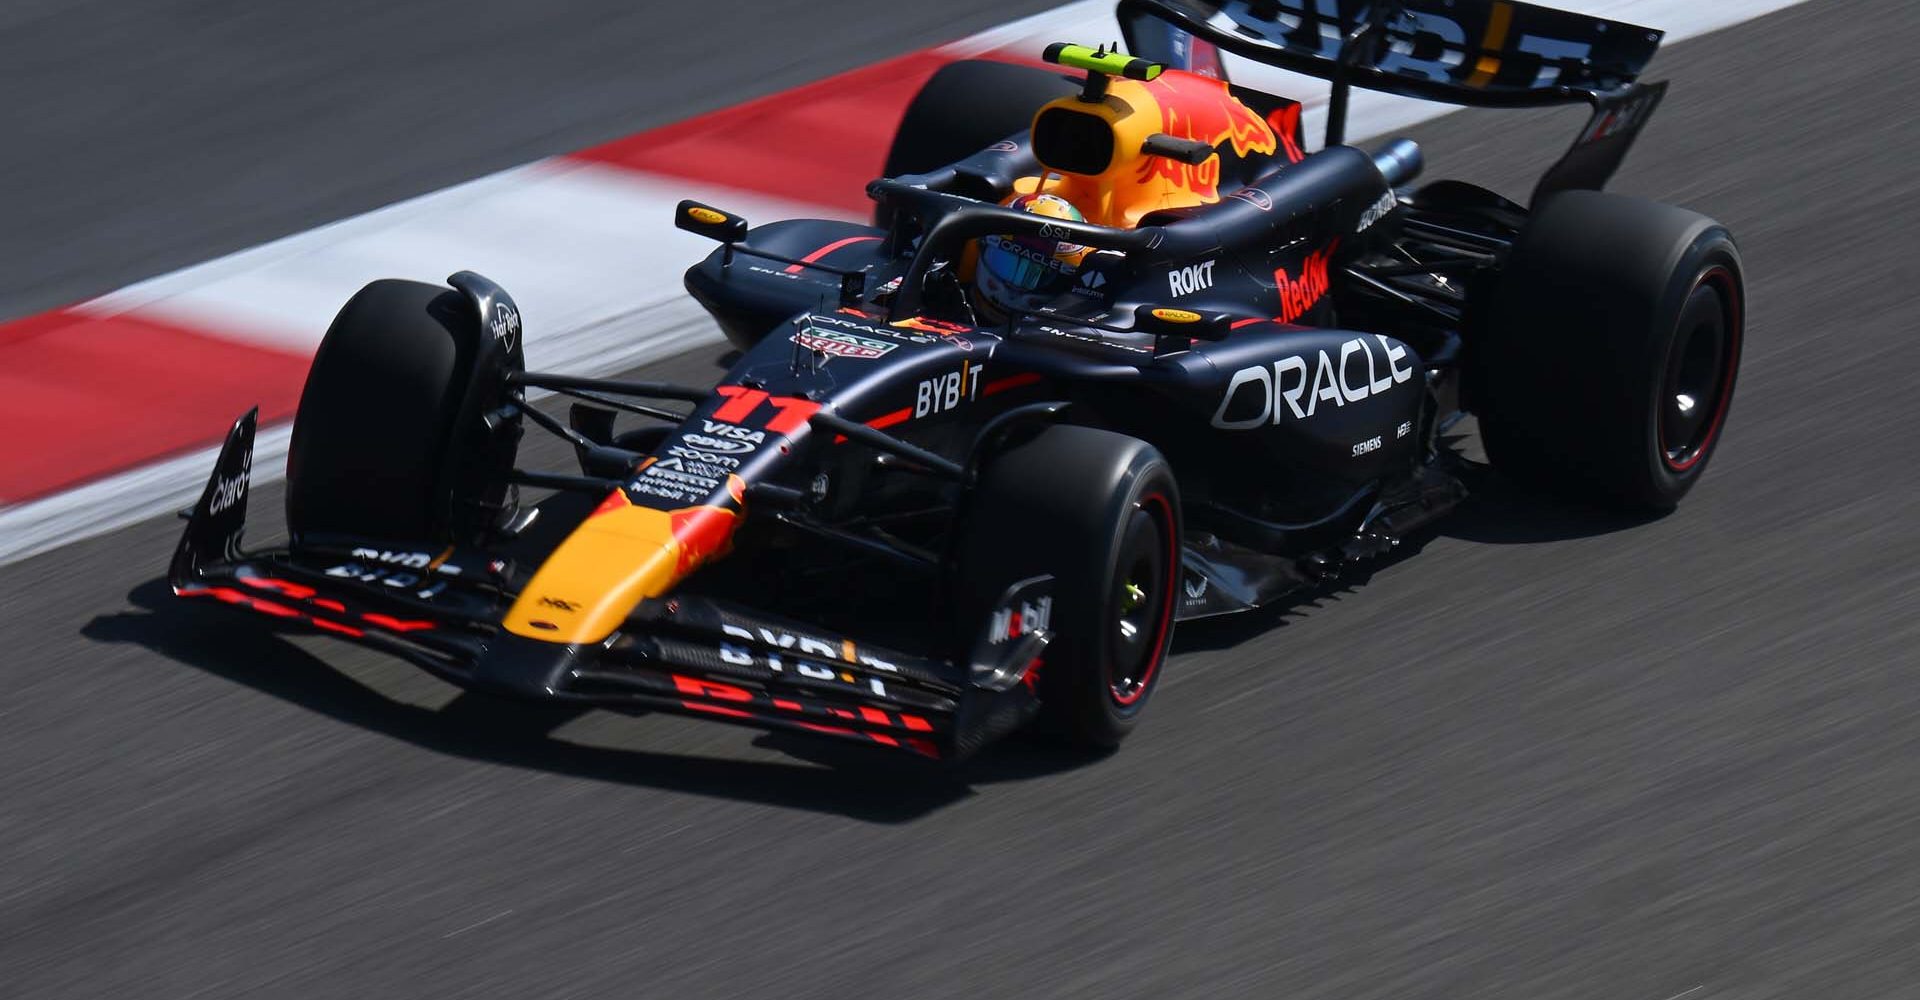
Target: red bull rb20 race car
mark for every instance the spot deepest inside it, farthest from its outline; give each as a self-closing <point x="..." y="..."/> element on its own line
<point x="1117" y="352"/>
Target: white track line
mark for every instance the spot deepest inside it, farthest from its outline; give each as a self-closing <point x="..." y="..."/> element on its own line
<point x="589" y="253"/>
<point x="127" y="498"/>
<point x="581" y="246"/>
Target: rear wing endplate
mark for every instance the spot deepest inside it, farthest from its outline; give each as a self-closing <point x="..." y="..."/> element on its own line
<point x="1601" y="145"/>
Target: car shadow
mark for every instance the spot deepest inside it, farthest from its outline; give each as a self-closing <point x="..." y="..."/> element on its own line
<point x="873" y="785"/>
<point x="1497" y="511"/>
<point x="1501" y="511"/>
<point x="1229" y="631"/>
<point x="826" y="775"/>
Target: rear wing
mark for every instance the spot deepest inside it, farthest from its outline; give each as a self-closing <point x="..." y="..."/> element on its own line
<point x="1490" y="53"/>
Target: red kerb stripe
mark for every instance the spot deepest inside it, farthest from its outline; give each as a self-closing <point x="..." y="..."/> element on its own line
<point x="102" y="393"/>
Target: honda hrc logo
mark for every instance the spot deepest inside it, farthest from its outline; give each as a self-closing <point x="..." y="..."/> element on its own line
<point x="1377" y="211"/>
<point x="1190" y="279"/>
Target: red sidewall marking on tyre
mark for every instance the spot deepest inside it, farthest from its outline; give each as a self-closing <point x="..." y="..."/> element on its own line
<point x="1731" y="316"/>
<point x="1164" y="626"/>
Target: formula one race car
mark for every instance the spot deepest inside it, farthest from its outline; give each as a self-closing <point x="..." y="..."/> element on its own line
<point x="1118" y="353"/>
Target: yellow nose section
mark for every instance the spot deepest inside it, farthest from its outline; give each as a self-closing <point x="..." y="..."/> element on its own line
<point x="619" y="556"/>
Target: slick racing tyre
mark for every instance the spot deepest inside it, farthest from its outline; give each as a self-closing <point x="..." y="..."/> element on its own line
<point x="1100" y="512"/>
<point x="374" y="452"/>
<point x="1609" y="349"/>
<point x="966" y="107"/>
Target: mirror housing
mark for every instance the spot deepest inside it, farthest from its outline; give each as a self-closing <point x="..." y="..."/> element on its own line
<point x="1191" y="152"/>
<point x="705" y="220"/>
<point x="1170" y="321"/>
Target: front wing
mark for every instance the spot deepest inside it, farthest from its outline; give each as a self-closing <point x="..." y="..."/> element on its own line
<point x="686" y="654"/>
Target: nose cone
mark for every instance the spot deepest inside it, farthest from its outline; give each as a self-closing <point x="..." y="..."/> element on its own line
<point x="620" y="555"/>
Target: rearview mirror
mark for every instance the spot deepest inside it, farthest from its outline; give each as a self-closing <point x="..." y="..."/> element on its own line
<point x="705" y="220"/>
<point x="1191" y="152"/>
<point x="1167" y="321"/>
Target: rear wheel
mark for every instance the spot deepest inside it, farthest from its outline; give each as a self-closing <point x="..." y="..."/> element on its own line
<point x="1610" y="349"/>
<point x="1100" y="512"/>
<point x="381" y="446"/>
<point x="966" y="107"/>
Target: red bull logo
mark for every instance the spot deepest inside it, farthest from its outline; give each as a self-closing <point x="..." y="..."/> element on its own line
<point x="1297" y="295"/>
<point x="1197" y="108"/>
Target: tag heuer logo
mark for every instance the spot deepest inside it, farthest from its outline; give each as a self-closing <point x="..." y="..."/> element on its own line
<point x="841" y="345"/>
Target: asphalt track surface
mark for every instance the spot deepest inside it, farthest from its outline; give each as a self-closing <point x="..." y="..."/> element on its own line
<point x="1551" y="755"/>
<point x="148" y="135"/>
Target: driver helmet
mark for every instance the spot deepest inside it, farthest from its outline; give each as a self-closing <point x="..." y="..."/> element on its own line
<point x="1023" y="273"/>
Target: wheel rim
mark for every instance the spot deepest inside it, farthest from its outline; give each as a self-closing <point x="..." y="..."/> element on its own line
<point x="1141" y="605"/>
<point x="1698" y="381"/>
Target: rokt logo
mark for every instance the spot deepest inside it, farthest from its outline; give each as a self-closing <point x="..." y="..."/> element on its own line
<point x="1190" y="279"/>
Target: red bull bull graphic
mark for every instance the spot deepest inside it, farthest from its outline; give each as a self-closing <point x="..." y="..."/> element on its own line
<point x="1286" y="125"/>
<point x="1202" y="109"/>
<point x="1130" y="183"/>
<point x="705" y="532"/>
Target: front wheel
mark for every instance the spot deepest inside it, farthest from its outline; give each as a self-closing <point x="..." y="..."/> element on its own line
<point x="388" y="443"/>
<point x="1100" y="512"/>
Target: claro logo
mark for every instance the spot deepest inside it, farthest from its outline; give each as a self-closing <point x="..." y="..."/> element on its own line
<point x="228" y="493"/>
<point x="1263" y="394"/>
